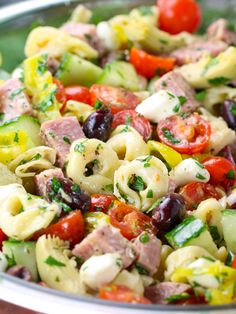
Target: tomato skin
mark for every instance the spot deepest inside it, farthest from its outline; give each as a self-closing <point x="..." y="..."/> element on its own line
<point x="234" y="262"/>
<point x="129" y="220"/>
<point x="149" y="65"/>
<point x="192" y="300"/>
<point x="60" y="93"/>
<point x="69" y="228"/>
<point x="179" y="15"/>
<point x="114" y="97"/>
<point x="78" y="93"/>
<point x="101" y="202"/>
<point x="3" y="237"/>
<point x="119" y="293"/>
<point x="187" y="135"/>
<point x="221" y="170"/>
<point x="196" y="192"/>
<point x="134" y="119"/>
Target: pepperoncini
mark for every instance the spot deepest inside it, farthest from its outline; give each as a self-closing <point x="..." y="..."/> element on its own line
<point x="11" y="145"/>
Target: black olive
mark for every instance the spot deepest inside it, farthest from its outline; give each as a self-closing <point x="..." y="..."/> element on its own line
<point x="98" y="124"/>
<point x="169" y="212"/>
<point x="228" y="112"/>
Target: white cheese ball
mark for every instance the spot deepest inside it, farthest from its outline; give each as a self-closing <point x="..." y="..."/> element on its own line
<point x="107" y="36"/>
<point x="189" y="170"/>
<point x="159" y="106"/>
<point x="100" y="270"/>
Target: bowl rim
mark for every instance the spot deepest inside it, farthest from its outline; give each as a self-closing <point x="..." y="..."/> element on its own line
<point x="32" y="6"/>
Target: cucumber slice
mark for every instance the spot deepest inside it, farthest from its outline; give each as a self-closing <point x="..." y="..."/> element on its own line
<point x="191" y="231"/>
<point x="23" y="253"/>
<point x="120" y="74"/>
<point x="75" y="70"/>
<point x="228" y="219"/>
<point x="27" y="124"/>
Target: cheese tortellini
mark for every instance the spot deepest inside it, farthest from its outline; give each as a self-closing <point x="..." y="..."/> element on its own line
<point x="55" y="266"/>
<point x="92" y="164"/>
<point x="132" y="280"/>
<point x="127" y="143"/>
<point x="22" y="214"/>
<point x="34" y="160"/>
<point x="7" y="177"/>
<point x="78" y="109"/>
<point x="141" y="182"/>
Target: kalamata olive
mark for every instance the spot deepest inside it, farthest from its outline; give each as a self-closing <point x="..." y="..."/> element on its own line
<point x="169" y="212"/>
<point x="228" y="112"/>
<point x="228" y="154"/>
<point x="67" y="194"/>
<point x="98" y="124"/>
<point x="20" y="272"/>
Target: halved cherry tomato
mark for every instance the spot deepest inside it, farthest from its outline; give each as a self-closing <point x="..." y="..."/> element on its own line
<point x="149" y="65"/>
<point x="78" y="93"/>
<point x="186" y="134"/>
<point x="176" y="16"/>
<point x="119" y="293"/>
<point x="234" y="262"/>
<point x="60" y="93"/>
<point x="69" y="228"/>
<point x="134" y="119"/>
<point x="129" y="220"/>
<point x="116" y="98"/>
<point x="196" y="192"/>
<point x="192" y="300"/>
<point x="101" y="202"/>
<point x="3" y="237"/>
<point x="222" y="171"/>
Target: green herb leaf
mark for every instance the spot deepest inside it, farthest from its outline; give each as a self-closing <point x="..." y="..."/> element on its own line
<point x="16" y="92"/>
<point x="199" y="164"/>
<point x="178" y="297"/>
<point x="37" y="157"/>
<point x="201" y="96"/>
<point x="182" y="100"/>
<point x="128" y="120"/>
<point x="56" y="184"/>
<point x="150" y="194"/>
<point x="170" y="137"/>
<point x="154" y="205"/>
<point x="42" y="64"/>
<point x="230" y="175"/>
<point x="53" y="262"/>
<point x="122" y="194"/>
<point x="141" y="269"/>
<point x="79" y="148"/>
<point x="98" y="105"/>
<point x="48" y="102"/>
<point x="136" y="183"/>
<point x="119" y="262"/>
<point x="16" y="138"/>
<point x="200" y="176"/>
<point x="2" y="115"/>
<point x="66" y="140"/>
<point x="211" y="63"/>
<point x="219" y="81"/>
<point x="214" y="233"/>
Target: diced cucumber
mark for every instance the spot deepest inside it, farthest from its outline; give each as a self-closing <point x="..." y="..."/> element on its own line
<point x="23" y="254"/>
<point x="120" y="74"/>
<point x="27" y="124"/>
<point x="192" y="231"/>
<point x="228" y="220"/>
<point x="75" y="70"/>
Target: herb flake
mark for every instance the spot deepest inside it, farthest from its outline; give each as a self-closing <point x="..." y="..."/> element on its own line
<point x="54" y="262"/>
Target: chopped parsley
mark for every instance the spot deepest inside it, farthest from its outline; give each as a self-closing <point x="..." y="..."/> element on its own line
<point x="164" y="84"/>
<point x="150" y="194"/>
<point x="53" y="262"/>
<point x="233" y="109"/>
<point x="16" y="138"/>
<point x="122" y="194"/>
<point x="136" y="183"/>
<point x="201" y="96"/>
<point x="199" y="164"/>
<point x="230" y="175"/>
<point x="145" y="10"/>
<point x="144" y="238"/>
<point x="128" y="120"/>
<point x="200" y="176"/>
<point x="126" y="129"/>
<point x="52" y="134"/>
<point x="141" y="269"/>
<point x="210" y="64"/>
<point x="182" y="100"/>
<point x="48" y="101"/>
<point x="177" y="297"/>
<point x="75" y="188"/>
<point x="119" y="262"/>
<point x="109" y="188"/>
<point x="42" y="65"/>
<point x="56" y="184"/>
<point x="154" y="205"/>
<point x="169" y="136"/>
<point x="66" y="140"/>
<point x="219" y="80"/>
<point x="163" y="41"/>
<point x="214" y="233"/>
<point x="98" y="104"/>
<point x="16" y="92"/>
<point x="171" y="95"/>
<point x="79" y="148"/>
<point x="37" y="156"/>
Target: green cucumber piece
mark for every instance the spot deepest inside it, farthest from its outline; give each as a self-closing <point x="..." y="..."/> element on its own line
<point x="120" y="74"/>
<point x="191" y="231"/>
<point x="27" y="124"/>
<point x="23" y="254"/>
<point x="228" y="219"/>
<point x="75" y="70"/>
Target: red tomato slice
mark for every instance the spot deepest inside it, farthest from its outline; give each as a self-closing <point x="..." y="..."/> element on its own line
<point x="234" y="262"/>
<point x="116" y="98"/>
<point x="149" y="65"/>
<point x="60" y="93"/>
<point x="119" y="293"/>
<point x="129" y="220"/>
<point x="78" y="93"/>
<point x="196" y="192"/>
<point x="3" y="237"/>
<point x="69" y="228"/>
<point x="101" y="202"/>
<point x="186" y="134"/>
<point x="134" y="119"/>
<point x="191" y="300"/>
<point x="176" y="16"/>
<point x="222" y="171"/>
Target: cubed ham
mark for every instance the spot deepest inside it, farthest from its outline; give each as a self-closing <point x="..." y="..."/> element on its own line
<point x="219" y="30"/>
<point x="158" y="293"/>
<point x="106" y="239"/>
<point x="60" y="134"/>
<point x="148" y="249"/>
<point x="13" y="100"/>
<point x="42" y="178"/>
<point x="175" y="83"/>
<point x="197" y="50"/>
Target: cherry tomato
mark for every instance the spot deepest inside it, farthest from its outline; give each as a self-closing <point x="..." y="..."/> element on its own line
<point x="119" y="293"/>
<point x="60" y="93"/>
<point x="234" y="262"/>
<point x="134" y="119"/>
<point x="192" y="300"/>
<point x="101" y="202"/>
<point x="78" y="93"/>
<point x="186" y="134"/>
<point x="149" y="65"/>
<point x="129" y="220"/>
<point x="222" y="171"/>
<point x="179" y="15"/>
<point x="69" y="228"/>
<point x="196" y="192"/>
<point x="3" y="237"/>
<point x="116" y="98"/>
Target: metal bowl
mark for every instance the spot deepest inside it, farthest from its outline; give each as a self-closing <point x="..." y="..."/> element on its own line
<point x="15" y="23"/>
